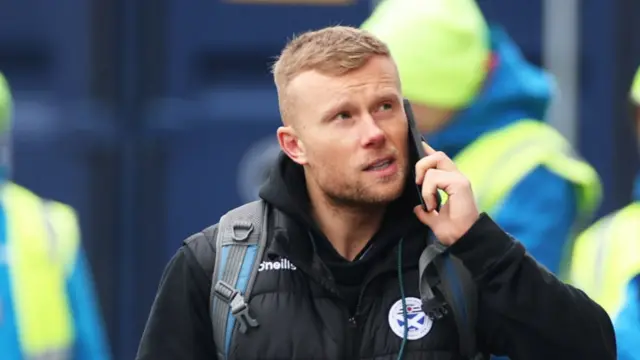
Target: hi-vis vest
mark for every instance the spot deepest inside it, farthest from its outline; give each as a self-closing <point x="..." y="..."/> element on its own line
<point x="496" y="162"/>
<point x="42" y="242"/>
<point x="606" y="257"/>
<point x="499" y="160"/>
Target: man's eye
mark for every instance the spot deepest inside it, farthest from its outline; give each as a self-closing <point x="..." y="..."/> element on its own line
<point x="343" y="116"/>
<point x="385" y="107"/>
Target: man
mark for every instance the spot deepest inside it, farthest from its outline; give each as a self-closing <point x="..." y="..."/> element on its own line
<point x="47" y="306"/>
<point x="478" y="100"/>
<point x="339" y="272"/>
<point x="606" y="261"/>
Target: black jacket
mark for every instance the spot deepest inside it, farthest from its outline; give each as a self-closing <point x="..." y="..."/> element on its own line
<point x="329" y="308"/>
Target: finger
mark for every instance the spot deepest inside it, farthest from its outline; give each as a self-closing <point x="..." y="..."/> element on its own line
<point x="428" y="149"/>
<point x="426" y="217"/>
<point x="437" y="160"/>
<point x="430" y="189"/>
<point x="438" y="179"/>
<point x="447" y="181"/>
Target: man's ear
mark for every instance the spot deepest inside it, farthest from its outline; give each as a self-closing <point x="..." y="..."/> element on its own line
<point x="291" y="145"/>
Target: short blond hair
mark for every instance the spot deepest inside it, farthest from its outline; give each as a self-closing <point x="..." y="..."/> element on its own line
<point x="333" y="51"/>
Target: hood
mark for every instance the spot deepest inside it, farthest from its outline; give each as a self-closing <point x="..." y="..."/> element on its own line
<point x="513" y="90"/>
<point x="285" y="189"/>
<point x="440" y="48"/>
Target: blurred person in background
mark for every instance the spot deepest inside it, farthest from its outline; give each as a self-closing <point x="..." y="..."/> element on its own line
<point x="477" y="99"/>
<point x="606" y="261"/>
<point x="47" y="306"/>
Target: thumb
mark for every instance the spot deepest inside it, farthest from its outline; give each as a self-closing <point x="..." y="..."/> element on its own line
<point x="428" y="218"/>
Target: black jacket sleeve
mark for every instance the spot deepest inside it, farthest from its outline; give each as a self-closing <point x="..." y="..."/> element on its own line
<point x="524" y="311"/>
<point x="179" y="326"/>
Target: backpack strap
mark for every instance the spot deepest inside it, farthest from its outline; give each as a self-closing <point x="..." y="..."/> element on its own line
<point x="453" y="282"/>
<point x="240" y="244"/>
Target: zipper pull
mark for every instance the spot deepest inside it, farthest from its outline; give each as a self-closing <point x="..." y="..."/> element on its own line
<point x="352" y="322"/>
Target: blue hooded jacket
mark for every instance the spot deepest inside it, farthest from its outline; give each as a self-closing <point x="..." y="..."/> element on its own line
<point x="541" y="210"/>
<point x="627" y="323"/>
<point x="90" y="338"/>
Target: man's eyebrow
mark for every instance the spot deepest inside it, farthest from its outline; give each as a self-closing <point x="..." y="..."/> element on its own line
<point x="387" y="95"/>
<point x="333" y="107"/>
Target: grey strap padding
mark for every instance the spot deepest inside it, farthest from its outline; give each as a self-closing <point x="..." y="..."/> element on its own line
<point x="458" y="294"/>
<point x="432" y="306"/>
<point x="242" y="236"/>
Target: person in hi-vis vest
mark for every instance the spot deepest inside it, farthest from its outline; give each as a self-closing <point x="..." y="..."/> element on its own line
<point x="606" y="261"/>
<point x="47" y="305"/>
<point x="477" y="99"/>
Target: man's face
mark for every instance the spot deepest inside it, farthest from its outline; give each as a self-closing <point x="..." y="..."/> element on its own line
<point x="350" y="133"/>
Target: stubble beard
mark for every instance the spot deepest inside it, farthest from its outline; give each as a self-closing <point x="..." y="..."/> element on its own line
<point x="361" y="195"/>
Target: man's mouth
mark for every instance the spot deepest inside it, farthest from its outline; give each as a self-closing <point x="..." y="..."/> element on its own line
<point x="380" y="164"/>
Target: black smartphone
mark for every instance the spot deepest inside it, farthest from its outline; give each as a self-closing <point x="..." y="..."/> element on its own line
<point x="416" y="151"/>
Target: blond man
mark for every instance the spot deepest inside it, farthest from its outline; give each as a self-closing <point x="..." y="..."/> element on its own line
<point x="326" y="264"/>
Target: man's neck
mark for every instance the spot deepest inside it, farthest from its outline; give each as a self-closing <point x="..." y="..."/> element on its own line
<point x="348" y="229"/>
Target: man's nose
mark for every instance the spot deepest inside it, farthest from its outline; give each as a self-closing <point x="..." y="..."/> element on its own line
<point x="372" y="134"/>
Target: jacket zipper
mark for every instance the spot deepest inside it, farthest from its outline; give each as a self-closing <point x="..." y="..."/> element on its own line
<point x="354" y="336"/>
<point x="354" y="333"/>
<point x="352" y="343"/>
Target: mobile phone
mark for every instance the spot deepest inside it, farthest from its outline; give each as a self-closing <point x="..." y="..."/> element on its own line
<point x="416" y="151"/>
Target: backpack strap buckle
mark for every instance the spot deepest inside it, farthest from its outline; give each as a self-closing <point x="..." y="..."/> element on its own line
<point x="241" y="230"/>
<point x="237" y="304"/>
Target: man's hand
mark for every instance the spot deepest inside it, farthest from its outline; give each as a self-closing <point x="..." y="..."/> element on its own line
<point x="459" y="213"/>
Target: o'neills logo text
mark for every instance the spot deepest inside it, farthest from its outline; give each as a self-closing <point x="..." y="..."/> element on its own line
<point x="282" y="264"/>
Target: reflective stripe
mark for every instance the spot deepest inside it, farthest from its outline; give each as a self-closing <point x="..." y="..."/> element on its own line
<point x="498" y="161"/>
<point x="43" y="239"/>
<point x="51" y="232"/>
<point x="602" y="238"/>
<point x="62" y="354"/>
<point x="487" y="189"/>
<point x="607" y="256"/>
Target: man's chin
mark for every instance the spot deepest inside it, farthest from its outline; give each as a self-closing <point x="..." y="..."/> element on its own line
<point x="385" y="194"/>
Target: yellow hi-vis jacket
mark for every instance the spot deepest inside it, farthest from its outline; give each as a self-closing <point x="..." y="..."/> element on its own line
<point x="42" y="242"/>
<point x="497" y="161"/>
<point x="606" y="257"/>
